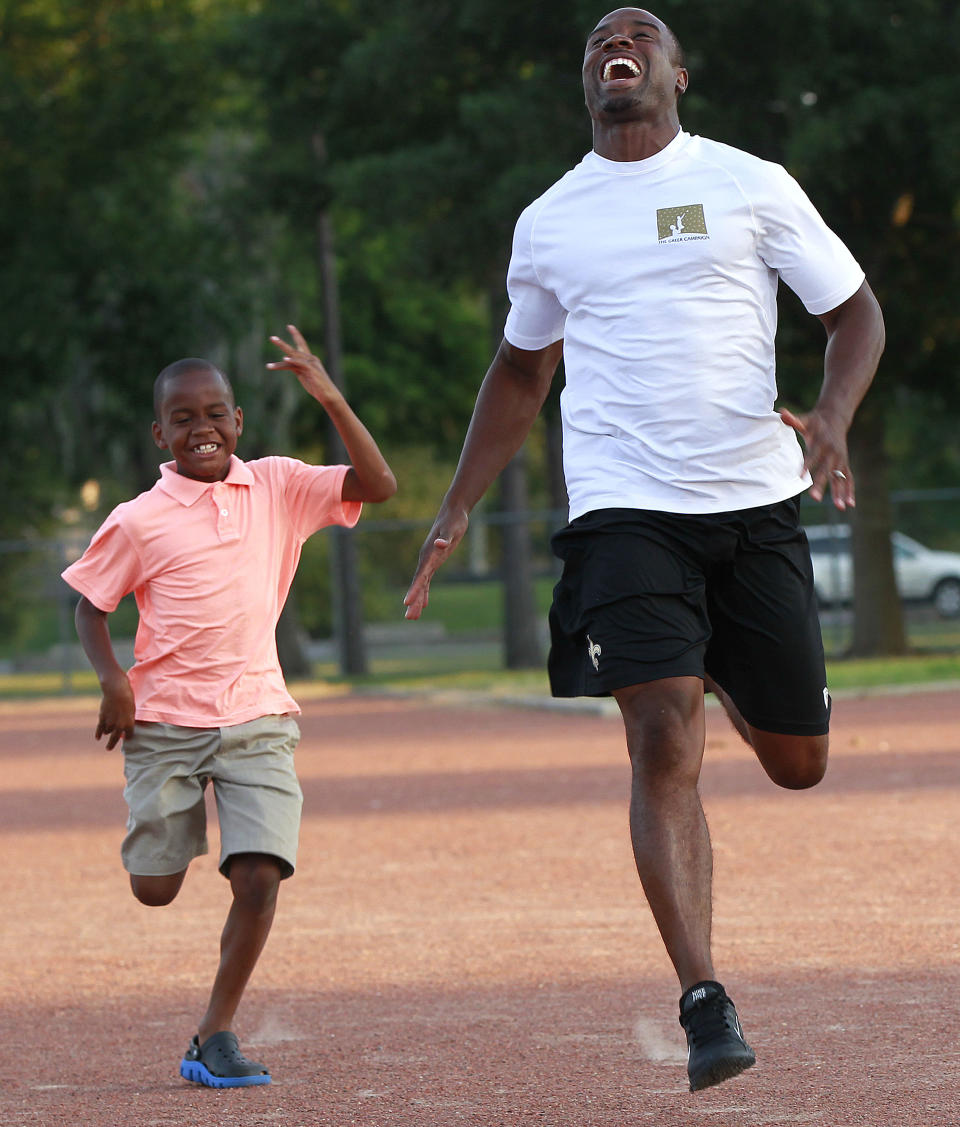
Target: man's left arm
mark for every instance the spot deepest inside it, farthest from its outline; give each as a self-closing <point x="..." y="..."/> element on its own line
<point x="855" y="339"/>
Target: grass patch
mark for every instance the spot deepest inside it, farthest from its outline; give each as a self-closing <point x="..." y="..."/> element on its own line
<point x="476" y="607"/>
<point x="476" y="666"/>
<point x="484" y="673"/>
<point x="18" y="685"/>
<point x="915" y="669"/>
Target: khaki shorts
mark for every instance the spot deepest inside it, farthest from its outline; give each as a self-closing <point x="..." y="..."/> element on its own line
<point x="167" y="768"/>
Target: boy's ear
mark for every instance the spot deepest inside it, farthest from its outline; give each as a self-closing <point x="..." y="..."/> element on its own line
<point x="158" y="436"/>
<point x="238" y="416"/>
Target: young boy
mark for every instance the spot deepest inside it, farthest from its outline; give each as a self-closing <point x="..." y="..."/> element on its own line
<point x="210" y="552"/>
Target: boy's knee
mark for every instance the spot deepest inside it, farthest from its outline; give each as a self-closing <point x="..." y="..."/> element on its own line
<point x="156" y="892"/>
<point x="255" y="880"/>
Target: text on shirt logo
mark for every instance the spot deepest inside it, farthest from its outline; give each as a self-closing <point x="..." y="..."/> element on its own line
<point x="681" y="224"/>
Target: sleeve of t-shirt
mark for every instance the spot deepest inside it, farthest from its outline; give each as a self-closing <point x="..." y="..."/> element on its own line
<point x="110" y="567"/>
<point x="795" y="241"/>
<point x="536" y="317"/>
<point x="313" y="496"/>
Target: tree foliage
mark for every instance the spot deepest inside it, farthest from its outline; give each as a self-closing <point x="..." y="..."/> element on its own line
<point x="115" y="258"/>
<point x="162" y="182"/>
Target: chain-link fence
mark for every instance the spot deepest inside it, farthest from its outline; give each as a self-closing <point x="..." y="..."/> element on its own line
<point x="463" y="627"/>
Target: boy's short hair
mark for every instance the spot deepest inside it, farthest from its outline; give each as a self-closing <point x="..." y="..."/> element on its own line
<point x="180" y="368"/>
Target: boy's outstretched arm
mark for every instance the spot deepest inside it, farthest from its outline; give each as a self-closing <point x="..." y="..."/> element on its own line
<point x="117" y="708"/>
<point x="369" y="477"/>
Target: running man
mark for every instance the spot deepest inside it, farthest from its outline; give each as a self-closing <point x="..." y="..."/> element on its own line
<point x="685" y="566"/>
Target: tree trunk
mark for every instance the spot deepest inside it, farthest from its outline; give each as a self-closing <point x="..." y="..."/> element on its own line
<point x="290" y="648"/>
<point x="878" y="627"/>
<point x="521" y="640"/>
<point x="478" y="542"/>
<point x="556" y="481"/>
<point x="520" y="625"/>
<point x="347" y="604"/>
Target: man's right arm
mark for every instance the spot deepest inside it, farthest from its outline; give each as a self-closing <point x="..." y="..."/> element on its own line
<point x="117" y="708"/>
<point x="510" y="399"/>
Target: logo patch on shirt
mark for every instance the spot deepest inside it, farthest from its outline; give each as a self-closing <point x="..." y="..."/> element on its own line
<point x="594" y="652"/>
<point x="681" y="224"/>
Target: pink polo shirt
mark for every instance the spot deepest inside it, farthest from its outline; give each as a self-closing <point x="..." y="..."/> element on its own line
<point x="210" y="565"/>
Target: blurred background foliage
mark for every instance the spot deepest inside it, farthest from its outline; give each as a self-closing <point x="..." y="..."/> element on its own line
<point x="165" y="163"/>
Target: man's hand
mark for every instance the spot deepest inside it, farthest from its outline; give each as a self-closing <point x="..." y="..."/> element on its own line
<point x="445" y="535"/>
<point x="825" y="456"/>
<point x="855" y="339"/>
<point x="117" y="711"/>
<point x="510" y="399"/>
<point x="308" y="369"/>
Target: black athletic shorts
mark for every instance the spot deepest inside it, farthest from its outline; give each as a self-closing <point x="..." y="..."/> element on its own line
<point x="646" y="595"/>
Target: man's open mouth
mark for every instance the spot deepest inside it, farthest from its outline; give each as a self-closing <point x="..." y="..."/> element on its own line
<point x="619" y="68"/>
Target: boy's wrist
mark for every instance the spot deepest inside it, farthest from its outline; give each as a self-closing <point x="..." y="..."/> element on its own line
<point x="113" y="680"/>
<point x="329" y="396"/>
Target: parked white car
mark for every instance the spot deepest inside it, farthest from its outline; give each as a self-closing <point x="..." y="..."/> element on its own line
<point x="921" y="573"/>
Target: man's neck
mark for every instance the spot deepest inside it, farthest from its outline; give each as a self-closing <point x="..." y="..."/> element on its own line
<point x="632" y="140"/>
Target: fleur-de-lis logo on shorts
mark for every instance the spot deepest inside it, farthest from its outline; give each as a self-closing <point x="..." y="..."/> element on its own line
<point x="593" y="652"/>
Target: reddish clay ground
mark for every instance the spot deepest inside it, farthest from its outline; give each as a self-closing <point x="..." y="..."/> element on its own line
<point x="465" y="941"/>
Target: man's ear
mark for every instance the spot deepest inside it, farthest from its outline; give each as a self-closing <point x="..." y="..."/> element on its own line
<point x="158" y="436"/>
<point x="683" y="81"/>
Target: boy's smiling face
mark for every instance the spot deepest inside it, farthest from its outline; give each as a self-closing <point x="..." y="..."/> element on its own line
<point x="199" y="423"/>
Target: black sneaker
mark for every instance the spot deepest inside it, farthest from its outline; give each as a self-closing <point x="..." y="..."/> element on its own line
<point x="716" y="1049"/>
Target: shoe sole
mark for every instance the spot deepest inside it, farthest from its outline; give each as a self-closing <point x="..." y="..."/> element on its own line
<point x="724" y="1069"/>
<point x="198" y="1073"/>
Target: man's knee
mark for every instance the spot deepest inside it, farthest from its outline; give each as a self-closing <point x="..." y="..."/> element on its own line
<point x="792" y="762"/>
<point x="664" y="728"/>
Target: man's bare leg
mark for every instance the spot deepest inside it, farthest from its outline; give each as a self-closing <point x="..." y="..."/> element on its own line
<point x="794" y="762"/>
<point x="671" y="843"/>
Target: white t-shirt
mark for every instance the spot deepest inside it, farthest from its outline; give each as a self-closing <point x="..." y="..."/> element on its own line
<point x="661" y="277"/>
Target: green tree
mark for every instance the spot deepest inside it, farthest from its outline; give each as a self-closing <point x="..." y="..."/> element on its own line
<point x="116" y="259"/>
<point x="112" y="258"/>
<point x="458" y="121"/>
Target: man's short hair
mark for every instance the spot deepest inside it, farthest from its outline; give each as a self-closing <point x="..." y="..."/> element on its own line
<point x="679" y="55"/>
<point x="180" y="368"/>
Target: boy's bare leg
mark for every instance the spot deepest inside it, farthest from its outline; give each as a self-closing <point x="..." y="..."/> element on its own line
<point x="664" y="725"/>
<point x="155" y="892"/>
<point x="255" y="880"/>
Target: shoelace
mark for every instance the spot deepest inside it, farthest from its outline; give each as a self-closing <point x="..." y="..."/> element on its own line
<point x="711" y="1019"/>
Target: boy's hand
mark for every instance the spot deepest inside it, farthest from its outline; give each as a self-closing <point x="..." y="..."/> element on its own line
<point x="368" y="478"/>
<point x="117" y="711"/>
<point x="309" y="371"/>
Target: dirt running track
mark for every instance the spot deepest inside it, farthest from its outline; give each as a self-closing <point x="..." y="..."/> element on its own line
<point x="465" y="941"/>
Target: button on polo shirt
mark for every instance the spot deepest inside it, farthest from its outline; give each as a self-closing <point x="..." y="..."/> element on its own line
<point x="210" y="566"/>
<point x="226" y="529"/>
